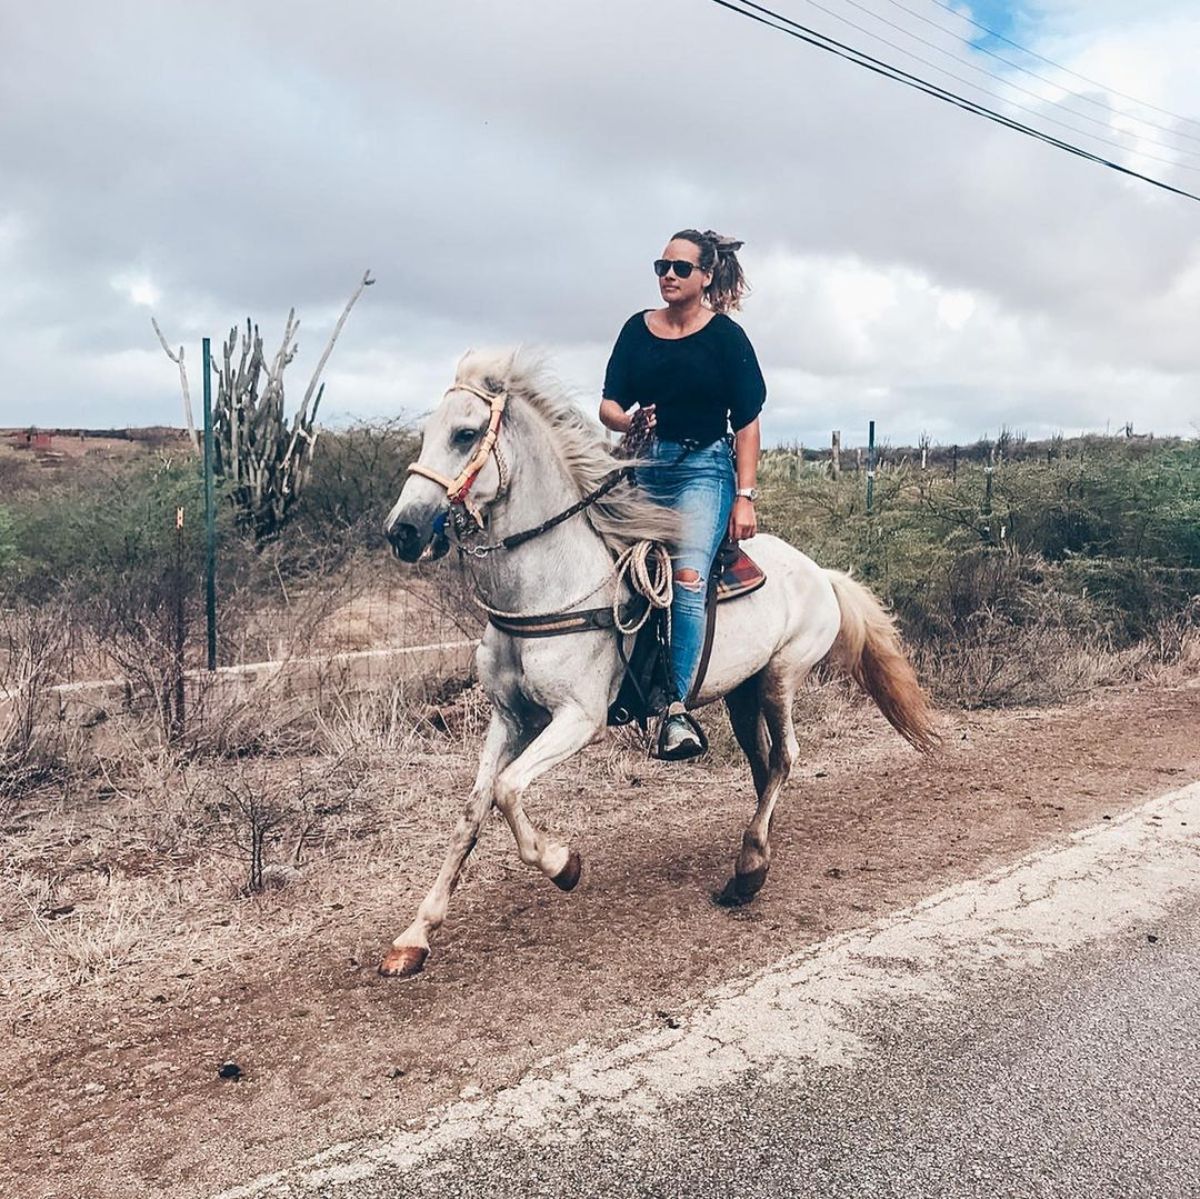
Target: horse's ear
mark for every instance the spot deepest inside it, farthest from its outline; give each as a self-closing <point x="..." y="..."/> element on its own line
<point x="459" y="364"/>
<point x="500" y="377"/>
<point x="510" y="366"/>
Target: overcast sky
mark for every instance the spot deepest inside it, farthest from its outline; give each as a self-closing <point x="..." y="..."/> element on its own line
<point x="509" y="170"/>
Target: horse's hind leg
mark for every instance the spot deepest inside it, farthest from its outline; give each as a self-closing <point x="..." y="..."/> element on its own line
<point x="408" y="951"/>
<point x="745" y="717"/>
<point x="776" y="690"/>
<point x="568" y="732"/>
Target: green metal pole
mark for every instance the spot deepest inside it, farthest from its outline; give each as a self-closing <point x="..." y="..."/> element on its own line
<point x="210" y="512"/>
<point x="871" y="469"/>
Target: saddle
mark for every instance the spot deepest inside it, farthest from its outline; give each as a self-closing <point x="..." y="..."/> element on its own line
<point x="646" y="689"/>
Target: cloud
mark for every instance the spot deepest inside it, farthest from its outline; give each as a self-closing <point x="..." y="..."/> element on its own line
<point x="509" y="171"/>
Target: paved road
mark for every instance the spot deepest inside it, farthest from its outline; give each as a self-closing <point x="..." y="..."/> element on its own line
<point x="1082" y="1082"/>
<point x="1036" y="1033"/>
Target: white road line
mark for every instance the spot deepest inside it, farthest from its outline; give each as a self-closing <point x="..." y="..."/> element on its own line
<point x="803" y="1010"/>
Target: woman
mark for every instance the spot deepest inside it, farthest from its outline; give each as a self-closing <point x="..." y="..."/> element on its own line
<point x="691" y="374"/>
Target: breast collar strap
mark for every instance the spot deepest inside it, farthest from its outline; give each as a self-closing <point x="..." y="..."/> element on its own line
<point x="458" y="488"/>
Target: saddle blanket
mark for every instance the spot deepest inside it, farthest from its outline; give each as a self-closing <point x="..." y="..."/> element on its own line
<point x="739" y="573"/>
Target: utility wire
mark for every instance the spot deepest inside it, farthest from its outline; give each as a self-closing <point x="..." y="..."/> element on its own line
<point x="1008" y="62"/>
<point x="832" y="46"/>
<point x="1106" y="141"/>
<point x="973" y="66"/>
<point x="1059" y="67"/>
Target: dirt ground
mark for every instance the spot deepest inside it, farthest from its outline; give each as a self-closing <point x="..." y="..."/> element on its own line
<point x="111" y="1080"/>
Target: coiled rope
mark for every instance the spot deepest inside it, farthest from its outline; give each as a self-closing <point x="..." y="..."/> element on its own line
<point x="645" y="568"/>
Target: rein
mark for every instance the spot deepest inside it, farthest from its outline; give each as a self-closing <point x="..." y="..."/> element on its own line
<point x="515" y="539"/>
<point x="651" y="584"/>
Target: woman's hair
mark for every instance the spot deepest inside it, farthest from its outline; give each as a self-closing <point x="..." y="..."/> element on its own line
<point x="719" y="255"/>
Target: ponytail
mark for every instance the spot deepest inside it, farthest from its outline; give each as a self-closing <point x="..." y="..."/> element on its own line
<point x="718" y="254"/>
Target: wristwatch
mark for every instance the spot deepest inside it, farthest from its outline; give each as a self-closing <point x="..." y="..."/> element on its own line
<point x="747" y="493"/>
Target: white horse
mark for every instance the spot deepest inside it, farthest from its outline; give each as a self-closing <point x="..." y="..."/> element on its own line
<point x="507" y="448"/>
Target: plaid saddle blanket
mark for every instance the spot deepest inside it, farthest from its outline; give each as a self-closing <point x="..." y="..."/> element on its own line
<point x="737" y="573"/>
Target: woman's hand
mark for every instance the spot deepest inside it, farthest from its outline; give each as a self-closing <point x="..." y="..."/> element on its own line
<point x="743" y="521"/>
<point x="642" y="425"/>
<point x="614" y="417"/>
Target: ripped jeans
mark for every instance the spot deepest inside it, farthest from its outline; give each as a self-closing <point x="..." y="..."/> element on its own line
<point x="700" y="488"/>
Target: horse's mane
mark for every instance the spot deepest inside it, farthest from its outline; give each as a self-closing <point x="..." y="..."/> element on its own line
<point x="622" y="517"/>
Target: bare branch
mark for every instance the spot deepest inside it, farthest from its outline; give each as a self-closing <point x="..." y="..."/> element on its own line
<point x="183" y="383"/>
<point x="367" y="281"/>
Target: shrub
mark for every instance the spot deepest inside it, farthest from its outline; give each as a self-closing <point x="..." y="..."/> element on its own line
<point x="1034" y="596"/>
<point x="355" y="480"/>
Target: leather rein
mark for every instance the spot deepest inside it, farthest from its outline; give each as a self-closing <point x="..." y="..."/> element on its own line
<point x="458" y="489"/>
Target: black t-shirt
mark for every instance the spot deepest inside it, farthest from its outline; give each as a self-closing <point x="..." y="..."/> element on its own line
<point x="699" y="384"/>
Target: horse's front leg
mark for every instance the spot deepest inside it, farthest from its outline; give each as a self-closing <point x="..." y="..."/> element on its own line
<point x="408" y="951"/>
<point x="571" y="728"/>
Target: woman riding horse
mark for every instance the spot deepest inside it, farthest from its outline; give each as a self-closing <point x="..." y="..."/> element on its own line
<point x="691" y="373"/>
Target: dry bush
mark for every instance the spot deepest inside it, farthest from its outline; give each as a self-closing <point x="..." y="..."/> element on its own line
<point x="395" y="718"/>
<point x="35" y="648"/>
<point x="1028" y="643"/>
<point x="996" y="662"/>
<point x="267" y="820"/>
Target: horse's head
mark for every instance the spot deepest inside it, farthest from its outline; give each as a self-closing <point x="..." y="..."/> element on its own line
<point x="458" y="464"/>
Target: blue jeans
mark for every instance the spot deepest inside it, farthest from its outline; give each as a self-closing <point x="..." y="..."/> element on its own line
<point x="699" y="486"/>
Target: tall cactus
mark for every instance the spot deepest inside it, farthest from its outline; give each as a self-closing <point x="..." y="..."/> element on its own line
<point x="265" y="463"/>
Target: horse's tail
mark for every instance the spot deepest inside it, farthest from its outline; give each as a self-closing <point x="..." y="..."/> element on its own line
<point x="868" y="646"/>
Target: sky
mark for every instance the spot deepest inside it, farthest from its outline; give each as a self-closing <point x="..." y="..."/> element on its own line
<point x="508" y="172"/>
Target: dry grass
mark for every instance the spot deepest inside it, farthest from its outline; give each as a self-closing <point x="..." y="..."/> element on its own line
<point x="276" y="808"/>
<point x="274" y="811"/>
<point x="150" y="863"/>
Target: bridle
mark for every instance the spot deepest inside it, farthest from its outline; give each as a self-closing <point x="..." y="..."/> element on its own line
<point x="650" y="583"/>
<point x="458" y="488"/>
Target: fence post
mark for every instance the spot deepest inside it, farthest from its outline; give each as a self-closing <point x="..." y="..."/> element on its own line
<point x="177" y="718"/>
<point x="210" y="512"/>
<point x="871" y="468"/>
<point x="835" y="455"/>
<point x="988" y="472"/>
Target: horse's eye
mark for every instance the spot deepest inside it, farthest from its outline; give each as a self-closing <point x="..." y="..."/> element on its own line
<point x="465" y="436"/>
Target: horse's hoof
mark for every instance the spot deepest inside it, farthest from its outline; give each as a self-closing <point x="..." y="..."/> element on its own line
<point x="729" y="897"/>
<point x="748" y="885"/>
<point x="568" y="876"/>
<point x="403" y="961"/>
<point x="741" y="889"/>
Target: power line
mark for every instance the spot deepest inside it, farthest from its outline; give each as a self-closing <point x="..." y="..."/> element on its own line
<point x="1083" y="116"/>
<point x="1059" y="67"/>
<point x="832" y="46"/>
<point x="1045" y="79"/>
<point x="1105" y="141"/>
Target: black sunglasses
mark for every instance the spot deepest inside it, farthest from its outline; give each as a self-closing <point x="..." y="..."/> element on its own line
<point x="683" y="268"/>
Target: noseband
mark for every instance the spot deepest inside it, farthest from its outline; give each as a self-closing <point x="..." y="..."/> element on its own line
<point x="458" y="488"/>
<point x="629" y="569"/>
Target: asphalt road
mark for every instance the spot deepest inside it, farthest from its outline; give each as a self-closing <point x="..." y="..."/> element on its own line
<point x="1082" y="1080"/>
<point x="1031" y="1035"/>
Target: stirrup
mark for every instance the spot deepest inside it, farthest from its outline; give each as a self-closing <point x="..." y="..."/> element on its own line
<point x="689" y="749"/>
